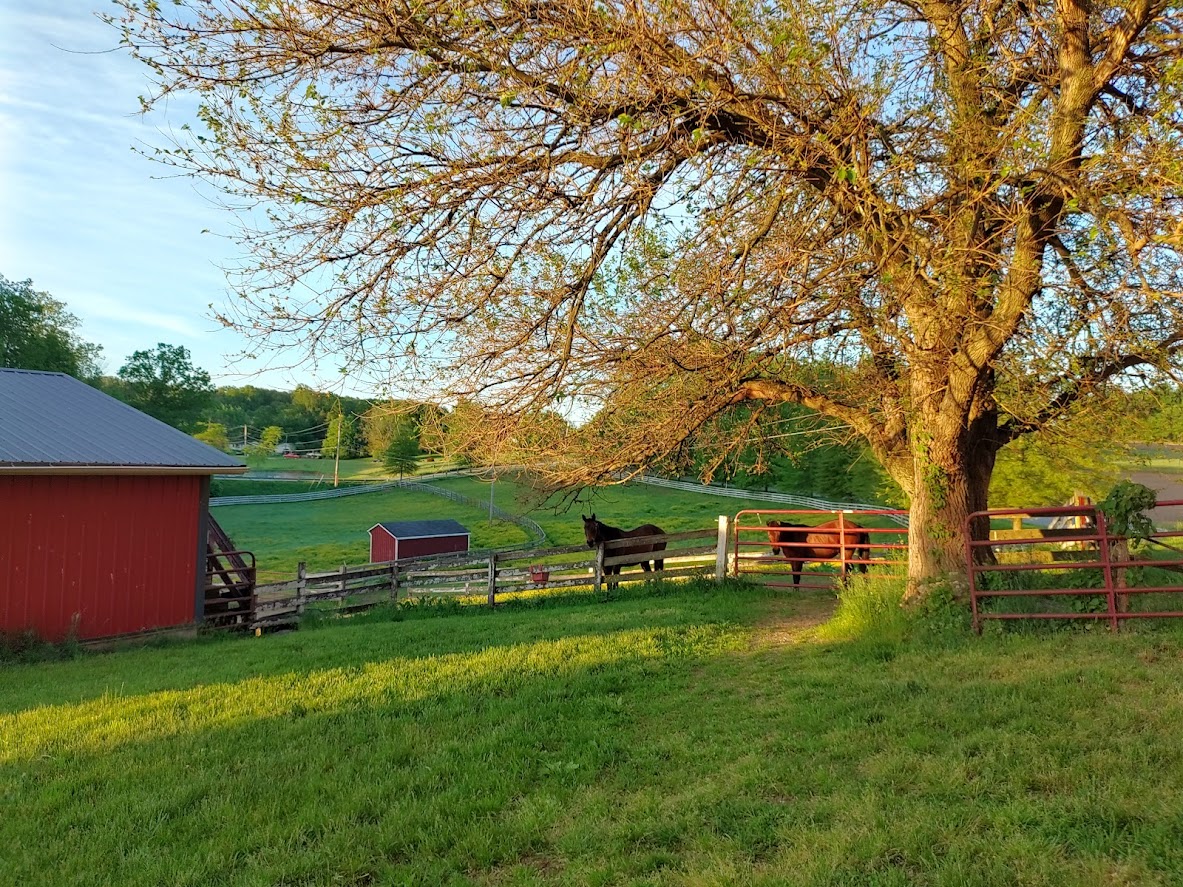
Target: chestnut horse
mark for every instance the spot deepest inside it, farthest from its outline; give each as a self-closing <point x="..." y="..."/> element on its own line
<point x="798" y="543"/>
<point x="596" y="533"/>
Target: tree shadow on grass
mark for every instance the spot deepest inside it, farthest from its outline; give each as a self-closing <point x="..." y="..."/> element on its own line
<point x="663" y="754"/>
<point x="350" y="643"/>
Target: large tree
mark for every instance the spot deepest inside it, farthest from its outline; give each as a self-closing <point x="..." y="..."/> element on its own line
<point x="939" y="224"/>
<point x="165" y="384"/>
<point x="38" y="333"/>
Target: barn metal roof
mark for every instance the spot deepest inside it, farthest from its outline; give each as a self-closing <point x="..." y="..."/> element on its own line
<point x="422" y="529"/>
<point x="53" y="423"/>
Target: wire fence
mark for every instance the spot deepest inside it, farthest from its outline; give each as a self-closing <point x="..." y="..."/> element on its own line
<point x="780" y="498"/>
<point x="534" y="531"/>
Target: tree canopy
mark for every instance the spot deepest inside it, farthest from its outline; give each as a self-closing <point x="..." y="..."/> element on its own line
<point x="165" y="384"/>
<point x="939" y="225"/>
<point x="38" y="333"/>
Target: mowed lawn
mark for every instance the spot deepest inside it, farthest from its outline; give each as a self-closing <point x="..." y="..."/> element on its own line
<point x="697" y="736"/>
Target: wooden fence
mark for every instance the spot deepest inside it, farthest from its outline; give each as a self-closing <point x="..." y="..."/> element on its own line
<point x="487" y="575"/>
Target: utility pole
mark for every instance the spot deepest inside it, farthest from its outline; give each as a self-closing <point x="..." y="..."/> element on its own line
<point x="337" y="455"/>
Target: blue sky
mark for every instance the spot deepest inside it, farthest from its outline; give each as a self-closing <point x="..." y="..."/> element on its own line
<point x="112" y="234"/>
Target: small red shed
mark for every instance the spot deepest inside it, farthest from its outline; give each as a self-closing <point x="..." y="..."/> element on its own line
<point x="103" y="512"/>
<point x="395" y="540"/>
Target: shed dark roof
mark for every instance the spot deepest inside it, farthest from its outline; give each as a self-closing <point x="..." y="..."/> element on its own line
<point x="53" y="422"/>
<point x="422" y="529"/>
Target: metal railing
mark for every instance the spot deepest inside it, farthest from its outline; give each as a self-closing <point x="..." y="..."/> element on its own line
<point x="1086" y="562"/>
<point x="848" y="543"/>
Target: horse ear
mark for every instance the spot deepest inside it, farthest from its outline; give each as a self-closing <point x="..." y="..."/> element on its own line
<point x="593" y="517"/>
<point x="584" y="516"/>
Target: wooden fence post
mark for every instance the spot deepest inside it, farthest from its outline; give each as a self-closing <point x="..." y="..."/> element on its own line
<point x="301" y="585"/>
<point x="493" y="579"/>
<point x="721" y="548"/>
<point x="599" y="567"/>
<point x="394" y="581"/>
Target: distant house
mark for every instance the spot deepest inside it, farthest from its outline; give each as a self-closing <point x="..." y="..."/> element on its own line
<point x="103" y="512"/>
<point x="396" y="540"/>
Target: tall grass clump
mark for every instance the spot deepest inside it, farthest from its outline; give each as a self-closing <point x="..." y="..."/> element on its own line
<point x="869" y="607"/>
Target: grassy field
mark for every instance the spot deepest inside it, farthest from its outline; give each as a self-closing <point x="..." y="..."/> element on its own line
<point x="327" y="533"/>
<point x="347" y="469"/>
<point x="698" y="736"/>
<point x="621" y="506"/>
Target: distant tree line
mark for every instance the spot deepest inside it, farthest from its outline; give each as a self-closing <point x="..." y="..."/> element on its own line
<point x="789" y="449"/>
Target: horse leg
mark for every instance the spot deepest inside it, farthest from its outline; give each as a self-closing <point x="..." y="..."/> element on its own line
<point x="796" y="572"/>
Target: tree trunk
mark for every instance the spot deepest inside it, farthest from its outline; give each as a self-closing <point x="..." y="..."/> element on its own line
<point x="951" y="480"/>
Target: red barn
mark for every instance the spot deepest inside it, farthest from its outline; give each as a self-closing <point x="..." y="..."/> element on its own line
<point x="102" y="512"/>
<point x="394" y="540"/>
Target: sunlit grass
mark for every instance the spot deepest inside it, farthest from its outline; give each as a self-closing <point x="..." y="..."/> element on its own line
<point x="327" y="533"/>
<point x="677" y="739"/>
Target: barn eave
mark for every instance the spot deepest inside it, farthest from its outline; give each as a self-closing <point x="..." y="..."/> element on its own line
<point x="123" y="470"/>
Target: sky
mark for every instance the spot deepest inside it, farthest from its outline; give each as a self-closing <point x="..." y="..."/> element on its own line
<point x="115" y="236"/>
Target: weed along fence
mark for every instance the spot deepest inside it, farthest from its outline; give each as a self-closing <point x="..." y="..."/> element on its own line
<point x="777" y="547"/>
<point x="486" y="575"/>
<point x="1084" y="571"/>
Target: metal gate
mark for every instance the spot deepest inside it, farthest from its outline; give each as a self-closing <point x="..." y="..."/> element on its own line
<point x="1072" y="568"/>
<point x="789" y="555"/>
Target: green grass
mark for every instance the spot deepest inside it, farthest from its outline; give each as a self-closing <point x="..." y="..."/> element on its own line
<point x="327" y="533"/>
<point x="347" y="469"/>
<point x="621" y="506"/>
<point x="692" y="737"/>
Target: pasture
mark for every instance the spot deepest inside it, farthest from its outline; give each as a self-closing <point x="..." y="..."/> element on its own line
<point x="365" y="468"/>
<point x="622" y="506"/>
<point x="696" y="735"/>
<point x="330" y="532"/>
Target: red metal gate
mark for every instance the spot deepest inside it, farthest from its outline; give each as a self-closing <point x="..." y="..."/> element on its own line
<point x="859" y="539"/>
<point x="1082" y="560"/>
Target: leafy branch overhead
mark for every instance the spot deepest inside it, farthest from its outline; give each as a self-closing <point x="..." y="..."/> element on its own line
<point x="940" y="226"/>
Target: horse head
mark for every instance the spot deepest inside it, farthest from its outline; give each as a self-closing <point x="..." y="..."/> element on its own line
<point x="592" y="532"/>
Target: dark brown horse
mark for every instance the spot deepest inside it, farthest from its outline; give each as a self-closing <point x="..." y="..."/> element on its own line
<point x="798" y="543"/>
<point x="597" y="533"/>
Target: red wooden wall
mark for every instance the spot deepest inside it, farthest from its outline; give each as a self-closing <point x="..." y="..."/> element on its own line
<point x="436" y="545"/>
<point x="384" y="548"/>
<point x="119" y="551"/>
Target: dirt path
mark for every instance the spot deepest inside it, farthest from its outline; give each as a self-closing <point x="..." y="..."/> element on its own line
<point x="793" y="616"/>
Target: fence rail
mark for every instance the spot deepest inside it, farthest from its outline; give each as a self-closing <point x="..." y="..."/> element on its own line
<point x="535" y="532"/>
<point x="490" y="575"/>
<point x="897" y="516"/>
<point x="777" y="556"/>
<point x="1088" y="562"/>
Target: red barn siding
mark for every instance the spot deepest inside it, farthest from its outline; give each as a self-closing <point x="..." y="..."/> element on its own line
<point x="119" y="551"/>
<point x="436" y="545"/>
<point x="382" y="546"/>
